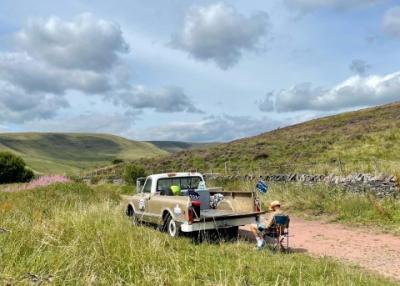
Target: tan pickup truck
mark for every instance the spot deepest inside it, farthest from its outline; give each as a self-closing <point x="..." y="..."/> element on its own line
<point x="196" y="208"/>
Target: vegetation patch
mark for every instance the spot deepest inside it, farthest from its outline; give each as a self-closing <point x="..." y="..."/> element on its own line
<point x="13" y="169"/>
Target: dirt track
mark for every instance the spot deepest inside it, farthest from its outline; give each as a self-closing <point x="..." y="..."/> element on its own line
<point x="371" y="250"/>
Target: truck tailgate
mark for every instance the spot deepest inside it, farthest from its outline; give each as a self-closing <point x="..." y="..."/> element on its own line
<point x="215" y="214"/>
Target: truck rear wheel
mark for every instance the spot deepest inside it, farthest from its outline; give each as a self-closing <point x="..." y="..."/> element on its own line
<point x="173" y="228"/>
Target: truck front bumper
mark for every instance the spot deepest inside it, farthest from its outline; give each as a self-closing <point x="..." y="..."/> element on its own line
<point x="217" y="224"/>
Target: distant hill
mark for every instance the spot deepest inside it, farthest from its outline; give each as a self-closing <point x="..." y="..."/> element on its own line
<point x="365" y="140"/>
<point x="72" y="152"/>
<point x="176" y="146"/>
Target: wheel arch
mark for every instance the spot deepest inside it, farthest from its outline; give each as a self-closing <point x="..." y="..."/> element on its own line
<point x="165" y="214"/>
<point x="130" y="210"/>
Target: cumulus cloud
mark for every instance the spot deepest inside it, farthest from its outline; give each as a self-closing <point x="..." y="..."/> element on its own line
<point x="86" y="43"/>
<point x="391" y="21"/>
<point x="35" y="76"/>
<point x="221" y="34"/>
<point x="166" y="99"/>
<point x="359" y="66"/>
<point x="212" y="128"/>
<point x="356" y="91"/>
<point x="309" y="5"/>
<point x="18" y="106"/>
<point x="53" y="57"/>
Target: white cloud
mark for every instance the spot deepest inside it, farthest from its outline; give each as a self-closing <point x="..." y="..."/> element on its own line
<point x="167" y="99"/>
<point x="309" y="5"/>
<point x="391" y="21"/>
<point x="18" y="106"/>
<point x="54" y="57"/>
<point x="213" y="128"/>
<point x="219" y="33"/>
<point x="356" y="91"/>
<point x="86" y="43"/>
<point x="35" y="76"/>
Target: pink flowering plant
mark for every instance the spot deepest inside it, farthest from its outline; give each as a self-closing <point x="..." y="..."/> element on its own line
<point x="46" y="181"/>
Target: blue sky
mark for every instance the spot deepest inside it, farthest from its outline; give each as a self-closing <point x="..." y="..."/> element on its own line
<point x="193" y="70"/>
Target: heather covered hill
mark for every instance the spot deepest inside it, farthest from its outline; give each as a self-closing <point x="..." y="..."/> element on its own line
<point x="367" y="140"/>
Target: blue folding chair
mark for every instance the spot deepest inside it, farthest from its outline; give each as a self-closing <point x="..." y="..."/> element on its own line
<point x="279" y="232"/>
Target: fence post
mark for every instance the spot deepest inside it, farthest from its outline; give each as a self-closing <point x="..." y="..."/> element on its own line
<point x="340" y="167"/>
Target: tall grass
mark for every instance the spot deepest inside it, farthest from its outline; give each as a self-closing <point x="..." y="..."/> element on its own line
<point x="70" y="234"/>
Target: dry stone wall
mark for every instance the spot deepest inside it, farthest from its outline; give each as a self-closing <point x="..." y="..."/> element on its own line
<point x="381" y="185"/>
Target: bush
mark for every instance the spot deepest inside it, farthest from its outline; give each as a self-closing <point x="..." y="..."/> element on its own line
<point x="132" y="172"/>
<point x="117" y="161"/>
<point x="13" y="169"/>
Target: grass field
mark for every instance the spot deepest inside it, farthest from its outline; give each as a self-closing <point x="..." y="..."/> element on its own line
<point x="361" y="141"/>
<point x="71" y="234"/>
<point x="71" y="152"/>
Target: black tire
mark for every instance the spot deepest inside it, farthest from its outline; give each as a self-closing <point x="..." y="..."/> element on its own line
<point x="172" y="227"/>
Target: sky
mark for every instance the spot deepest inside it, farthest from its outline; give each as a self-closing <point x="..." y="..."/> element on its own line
<point x="196" y="71"/>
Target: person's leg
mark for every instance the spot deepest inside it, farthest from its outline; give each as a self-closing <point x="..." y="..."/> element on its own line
<point x="253" y="229"/>
<point x="257" y="231"/>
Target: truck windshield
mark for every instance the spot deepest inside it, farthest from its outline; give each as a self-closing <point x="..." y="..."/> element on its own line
<point x="184" y="183"/>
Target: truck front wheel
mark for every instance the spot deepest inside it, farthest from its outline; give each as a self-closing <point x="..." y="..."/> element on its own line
<point x="173" y="228"/>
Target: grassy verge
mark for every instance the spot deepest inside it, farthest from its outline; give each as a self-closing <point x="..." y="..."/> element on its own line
<point x="326" y="201"/>
<point x="76" y="235"/>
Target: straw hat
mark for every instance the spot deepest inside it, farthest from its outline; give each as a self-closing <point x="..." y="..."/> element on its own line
<point x="274" y="204"/>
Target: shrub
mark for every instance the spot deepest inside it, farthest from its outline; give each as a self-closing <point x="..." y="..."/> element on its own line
<point x="132" y="172"/>
<point x="117" y="161"/>
<point x="13" y="169"/>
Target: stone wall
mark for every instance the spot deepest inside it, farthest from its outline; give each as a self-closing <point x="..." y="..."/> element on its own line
<point x="381" y="185"/>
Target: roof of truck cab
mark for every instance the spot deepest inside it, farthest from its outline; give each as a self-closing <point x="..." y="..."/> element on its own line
<point x="175" y="175"/>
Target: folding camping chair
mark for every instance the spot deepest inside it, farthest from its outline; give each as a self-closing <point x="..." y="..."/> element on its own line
<point x="279" y="232"/>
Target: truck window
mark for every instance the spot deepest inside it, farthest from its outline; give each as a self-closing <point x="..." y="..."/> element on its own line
<point x="147" y="186"/>
<point x="184" y="183"/>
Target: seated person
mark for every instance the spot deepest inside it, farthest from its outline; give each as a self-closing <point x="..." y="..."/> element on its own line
<point x="262" y="228"/>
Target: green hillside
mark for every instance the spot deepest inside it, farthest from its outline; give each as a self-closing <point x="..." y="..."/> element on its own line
<point x="176" y="146"/>
<point x="72" y="152"/>
<point x="364" y="140"/>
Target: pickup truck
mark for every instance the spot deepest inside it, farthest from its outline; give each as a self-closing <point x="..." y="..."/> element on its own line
<point x="196" y="208"/>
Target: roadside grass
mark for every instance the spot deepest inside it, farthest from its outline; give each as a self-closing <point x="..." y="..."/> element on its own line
<point x="72" y="234"/>
<point x="334" y="203"/>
